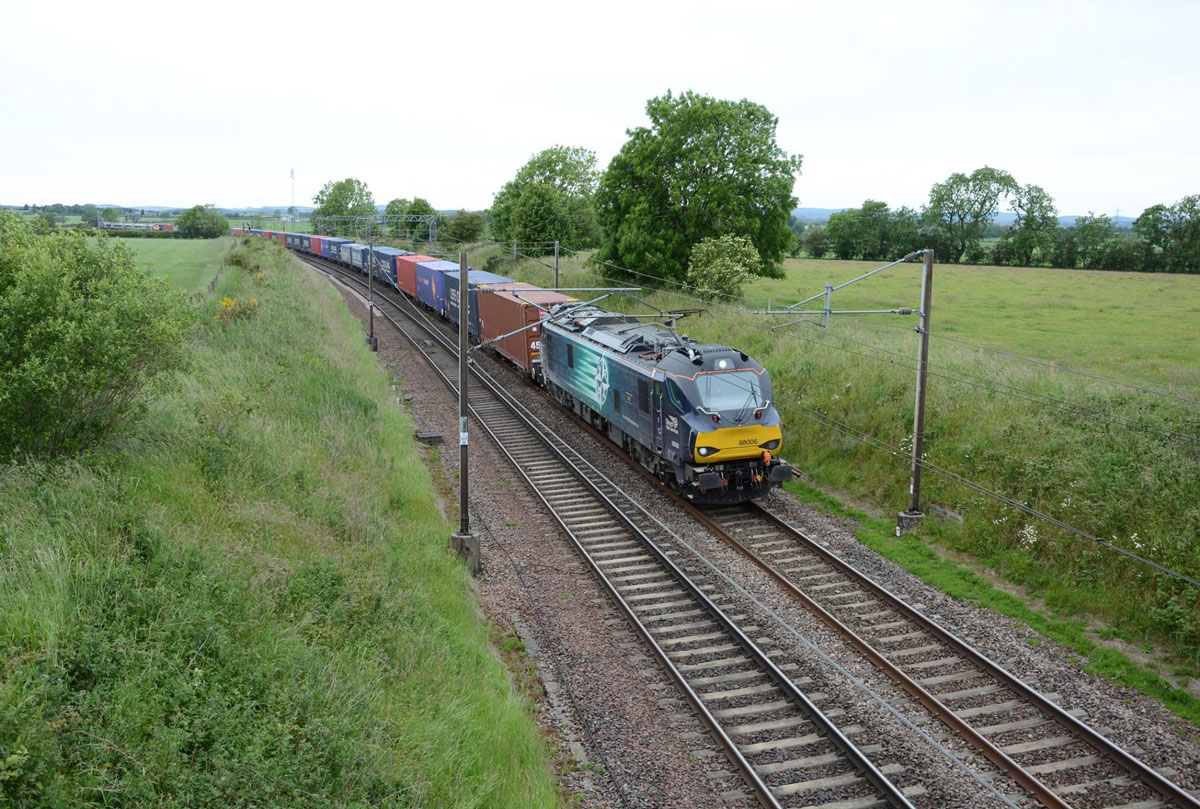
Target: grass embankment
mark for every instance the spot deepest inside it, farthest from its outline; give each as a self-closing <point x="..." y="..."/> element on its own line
<point x="250" y="600"/>
<point x="1134" y="486"/>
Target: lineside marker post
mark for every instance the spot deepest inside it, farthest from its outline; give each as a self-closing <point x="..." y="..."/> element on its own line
<point x="464" y="543"/>
<point x="370" y="265"/>
<point x="910" y="519"/>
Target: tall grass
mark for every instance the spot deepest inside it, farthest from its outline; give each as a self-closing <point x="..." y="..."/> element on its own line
<point x="252" y="602"/>
<point x="1081" y="462"/>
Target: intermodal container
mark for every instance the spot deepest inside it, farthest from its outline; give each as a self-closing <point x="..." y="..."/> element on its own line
<point x="385" y="264"/>
<point x="281" y="238"/>
<point x="314" y="245"/>
<point x="505" y="312"/>
<point x="406" y="272"/>
<point x="476" y="280"/>
<point x="354" y="254"/>
<point x="431" y="283"/>
<point x="330" y="247"/>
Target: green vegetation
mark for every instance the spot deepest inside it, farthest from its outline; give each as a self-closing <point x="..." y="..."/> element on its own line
<point x="704" y="167"/>
<point x="465" y="226"/>
<point x="558" y="184"/>
<point x="185" y="265"/>
<point x="721" y="266"/>
<point x="83" y="335"/>
<point x="1115" y="323"/>
<point x="966" y="585"/>
<point x="958" y="223"/>
<point x="1134" y="486"/>
<point x="202" y="222"/>
<point x="251" y="602"/>
<point x="348" y="197"/>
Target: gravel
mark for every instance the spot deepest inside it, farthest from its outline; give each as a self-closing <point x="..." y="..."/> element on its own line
<point x="621" y="732"/>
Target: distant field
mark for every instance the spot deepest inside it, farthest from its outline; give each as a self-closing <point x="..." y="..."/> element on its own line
<point x="186" y="264"/>
<point x="1137" y="325"/>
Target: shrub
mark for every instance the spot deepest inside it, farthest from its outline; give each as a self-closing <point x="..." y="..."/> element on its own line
<point x="721" y="266"/>
<point x="83" y="332"/>
<point x="202" y="222"/>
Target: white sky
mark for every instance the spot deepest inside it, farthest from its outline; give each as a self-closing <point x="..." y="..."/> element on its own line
<point x="181" y="103"/>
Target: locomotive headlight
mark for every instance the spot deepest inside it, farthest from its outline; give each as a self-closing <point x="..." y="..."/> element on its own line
<point x="704" y="452"/>
<point x="772" y="444"/>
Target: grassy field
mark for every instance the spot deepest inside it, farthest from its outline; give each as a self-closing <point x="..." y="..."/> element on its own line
<point x="1136" y="325"/>
<point x="186" y="264"/>
<point x="1115" y="462"/>
<point x="248" y="600"/>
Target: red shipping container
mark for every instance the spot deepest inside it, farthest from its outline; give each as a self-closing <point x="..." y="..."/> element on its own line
<point x="504" y="312"/>
<point x="314" y="245"/>
<point x="281" y="238"/>
<point x="406" y="273"/>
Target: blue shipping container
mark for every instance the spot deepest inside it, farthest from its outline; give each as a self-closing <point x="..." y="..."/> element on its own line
<point x="385" y="258"/>
<point x="355" y="254"/>
<point x="431" y="283"/>
<point x="476" y="278"/>
<point x="330" y="247"/>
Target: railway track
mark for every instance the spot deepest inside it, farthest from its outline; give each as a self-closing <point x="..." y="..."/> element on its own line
<point x="1041" y="747"/>
<point x="789" y="751"/>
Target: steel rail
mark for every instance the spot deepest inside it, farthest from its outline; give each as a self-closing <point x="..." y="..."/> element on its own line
<point x="1044" y="794"/>
<point x="883" y="786"/>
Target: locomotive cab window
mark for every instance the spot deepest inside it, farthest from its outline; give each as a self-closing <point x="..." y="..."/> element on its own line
<point x="643" y="396"/>
<point x="730" y="390"/>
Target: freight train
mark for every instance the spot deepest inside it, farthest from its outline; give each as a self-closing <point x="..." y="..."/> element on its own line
<point x="699" y="416"/>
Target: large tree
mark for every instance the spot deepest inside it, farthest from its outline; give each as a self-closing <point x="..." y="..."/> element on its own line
<point x="963" y="206"/>
<point x="1033" y="230"/>
<point x="1091" y="233"/>
<point x="703" y="168"/>
<point x="398" y="207"/>
<point x="1175" y="231"/>
<point x="568" y="169"/>
<point x="202" y="222"/>
<point x="348" y="197"/>
<point x="420" y="207"/>
<point x="465" y="226"/>
<point x="541" y="217"/>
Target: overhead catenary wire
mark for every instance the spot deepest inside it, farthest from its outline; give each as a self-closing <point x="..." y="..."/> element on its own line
<point x="1002" y="388"/>
<point x="876" y="443"/>
<point x="962" y="377"/>
<point x="977" y="487"/>
<point x="746" y="304"/>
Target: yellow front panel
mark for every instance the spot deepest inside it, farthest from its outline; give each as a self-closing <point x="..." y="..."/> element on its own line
<point x="735" y="443"/>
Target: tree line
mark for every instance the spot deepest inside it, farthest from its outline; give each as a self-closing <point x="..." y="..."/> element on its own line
<point x="352" y="197"/>
<point x="960" y="213"/>
<point x="703" y="196"/>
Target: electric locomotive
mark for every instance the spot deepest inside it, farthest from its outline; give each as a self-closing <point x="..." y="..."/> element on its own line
<point x="699" y="416"/>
